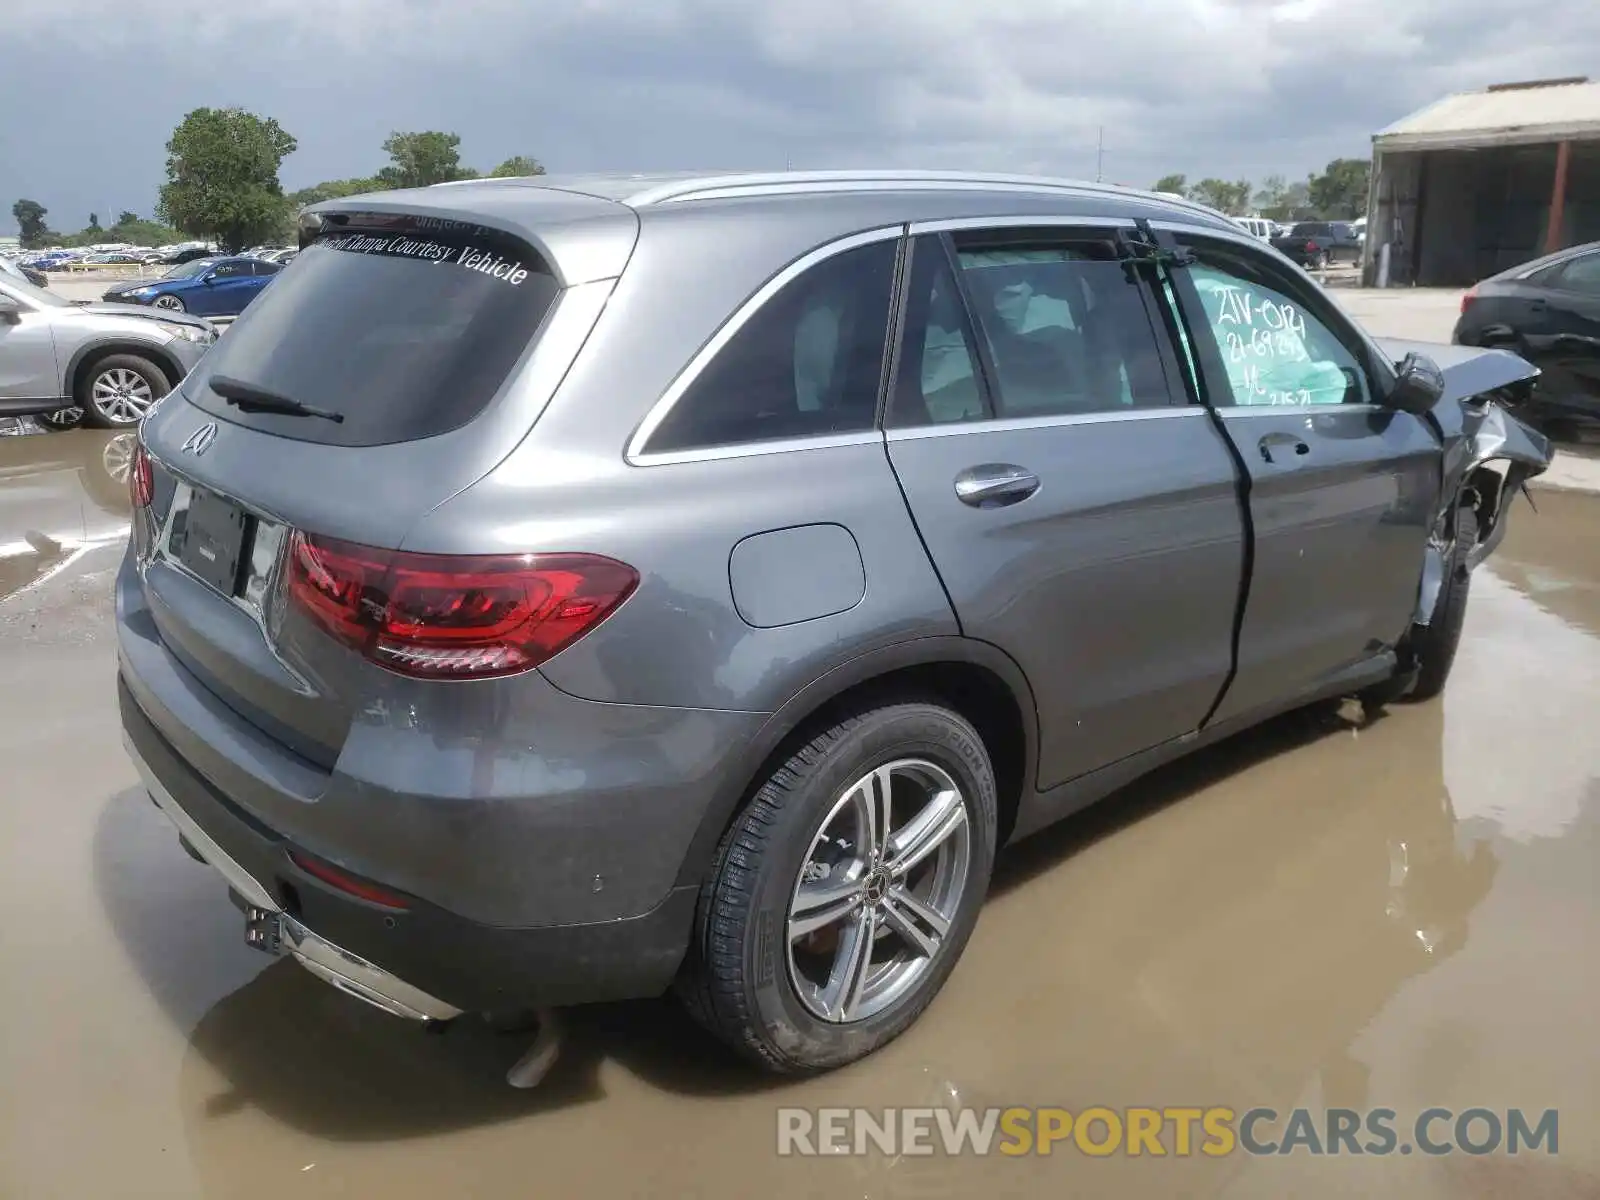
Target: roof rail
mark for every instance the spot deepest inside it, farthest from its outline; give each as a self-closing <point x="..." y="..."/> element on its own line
<point x="716" y="187"/>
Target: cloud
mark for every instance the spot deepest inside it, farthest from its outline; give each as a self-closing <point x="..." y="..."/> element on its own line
<point x="1207" y="87"/>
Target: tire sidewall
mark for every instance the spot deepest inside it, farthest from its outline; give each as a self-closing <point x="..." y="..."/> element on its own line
<point x="911" y="731"/>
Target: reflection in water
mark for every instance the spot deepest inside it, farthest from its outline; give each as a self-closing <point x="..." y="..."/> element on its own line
<point x="1552" y="556"/>
<point x="1221" y="933"/>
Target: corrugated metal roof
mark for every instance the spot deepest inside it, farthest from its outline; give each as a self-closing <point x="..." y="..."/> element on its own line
<point x="1500" y="116"/>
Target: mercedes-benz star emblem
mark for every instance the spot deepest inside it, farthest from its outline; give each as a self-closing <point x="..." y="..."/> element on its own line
<point x="200" y="440"/>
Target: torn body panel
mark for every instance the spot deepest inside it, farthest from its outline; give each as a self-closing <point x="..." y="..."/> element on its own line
<point x="1475" y="428"/>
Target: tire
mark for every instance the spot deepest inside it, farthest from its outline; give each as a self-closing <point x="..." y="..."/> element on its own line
<point x="1433" y="646"/>
<point x="169" y="302"/>
<point x="62" y="418"/>
<point x="748" y="981"/>
<point x="115" y="392"/>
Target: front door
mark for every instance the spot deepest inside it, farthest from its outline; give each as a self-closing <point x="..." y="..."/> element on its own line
<point x="227" y="288"/>
<point x="27" y="356"/>
<point x="1342" y="490"/>
<point x="1083" y="515"/>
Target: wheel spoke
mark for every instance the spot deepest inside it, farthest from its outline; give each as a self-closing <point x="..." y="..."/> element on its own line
<point x="818" y="905"/>
<point x="926" y="832"/>
<point x="902" y="911"/>
<point x="872" y="807"/>
<point x="851" y="966"/>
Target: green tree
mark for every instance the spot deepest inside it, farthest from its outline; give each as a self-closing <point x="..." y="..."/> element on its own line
<point x="222" y="177"/>
<point x="422" y="159"/>
<point x="1230" y="198"/>
<point x="1270" y="196"/>
<point x="334" y="189"/>
<point x="94" y="224"/>
<point x="1340" y="192"/>
<point x="1178" y="185"/>
<point x="30" y="216"/>
<point x="517" y="166"/>
<point x="133" y="228"/>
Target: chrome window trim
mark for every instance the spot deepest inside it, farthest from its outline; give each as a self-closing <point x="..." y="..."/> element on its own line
<point x="637" y="455"/>
<point x="823" y="441"/>
<point x="1002" y="424"/>
<point x="1310" y="410"/>
<point x="1044" y="221"/>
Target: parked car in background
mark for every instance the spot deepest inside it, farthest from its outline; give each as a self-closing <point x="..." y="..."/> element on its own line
<point x="1259" y="227"/>
<point x="207" y="287"/>
<point x="787" y="592"/>
<point x="1548" y="311"/>
<point x="185" y="254"/>
<point x="102" y="364"/>
<point x="1319" y="244"/>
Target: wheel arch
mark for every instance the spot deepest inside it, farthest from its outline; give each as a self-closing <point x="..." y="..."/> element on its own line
<point x="85" y="357"/>
<point x="975" y="679"/>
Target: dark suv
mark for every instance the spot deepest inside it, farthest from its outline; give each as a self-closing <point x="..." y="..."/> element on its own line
<point x="553" y="589"/>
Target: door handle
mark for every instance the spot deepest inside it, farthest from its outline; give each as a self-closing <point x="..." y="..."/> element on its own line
<point x="1537" y="306"/>
<point x="1280" y="441"/>
<point x="994" y="485"/>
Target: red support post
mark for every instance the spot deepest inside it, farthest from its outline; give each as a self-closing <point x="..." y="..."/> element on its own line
<point x="1558" y="198"/>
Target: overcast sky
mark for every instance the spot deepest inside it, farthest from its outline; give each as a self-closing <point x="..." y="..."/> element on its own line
<point x="91" y="89"/>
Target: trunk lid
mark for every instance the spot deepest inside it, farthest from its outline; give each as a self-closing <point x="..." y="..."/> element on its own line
<point x="438" y="346"/>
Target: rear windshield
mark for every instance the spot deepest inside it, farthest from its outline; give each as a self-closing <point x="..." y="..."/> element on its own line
<point x="405" y="326"/>
<point x="1314" y="229"/>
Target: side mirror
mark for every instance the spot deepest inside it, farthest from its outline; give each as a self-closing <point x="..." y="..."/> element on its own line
<point x="1419" y="386"/>
<point x="208" y="278"/>
<point x="10" y="310"/>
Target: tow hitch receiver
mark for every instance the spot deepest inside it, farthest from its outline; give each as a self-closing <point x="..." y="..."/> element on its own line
<point x="264" y="930"/>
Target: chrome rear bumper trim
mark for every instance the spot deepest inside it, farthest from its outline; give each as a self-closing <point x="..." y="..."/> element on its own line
<point x="348" y="972"/>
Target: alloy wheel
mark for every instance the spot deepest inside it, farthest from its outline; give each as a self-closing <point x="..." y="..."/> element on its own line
<point x="879" y="889"/>
<point x="117" y="456"/>
<point x="170" y="303"/>
<point x="121" y="395"/>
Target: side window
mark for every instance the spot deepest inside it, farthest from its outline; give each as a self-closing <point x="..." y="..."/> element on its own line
<point x="231" y="270"/>
<point x="261" y="267"/>
<point x="808" y="362"/>
<point x="1276" y="350"/>
<point x="939" y="380"/>
<point x="1065" y="328"/>
<point x="1579" y="275"/>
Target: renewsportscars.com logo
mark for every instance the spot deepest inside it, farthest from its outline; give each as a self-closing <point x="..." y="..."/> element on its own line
<point x="1181" y="1132"/>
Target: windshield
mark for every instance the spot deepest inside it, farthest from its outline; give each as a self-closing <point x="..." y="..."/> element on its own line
<point x="189" y="270"/>
<point x="405" y="328"/>
<point x="18" y="287"/>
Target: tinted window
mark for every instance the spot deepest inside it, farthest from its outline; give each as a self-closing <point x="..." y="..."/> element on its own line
<point x="808" y="362"/>
<point x="1313" y="229"/>
<point x="938" y="380"/>
<point x="231" y="270"/>
<point x="1579" y="275"/>
<point x="406" y="328"/>
<point x="262" y="267"/>
<point x="1275" y="347"/>
<point x="1065" y="327"/>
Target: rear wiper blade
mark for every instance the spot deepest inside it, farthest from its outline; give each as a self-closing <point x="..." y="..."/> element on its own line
<point x="247" y="397"/>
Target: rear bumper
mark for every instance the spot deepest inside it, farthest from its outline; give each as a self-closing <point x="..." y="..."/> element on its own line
<point x="424" y="962"/>
<point x="335" y="965"/>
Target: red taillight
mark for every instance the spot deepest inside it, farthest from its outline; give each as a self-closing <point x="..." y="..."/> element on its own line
<point x="438" y="616"/>
<point x="349" y="884"/>
<point x="141" y="479"/>
<point x="1467" y="297"/>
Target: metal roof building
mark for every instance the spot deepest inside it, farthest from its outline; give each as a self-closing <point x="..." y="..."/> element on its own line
<point x="1480" y="181"/>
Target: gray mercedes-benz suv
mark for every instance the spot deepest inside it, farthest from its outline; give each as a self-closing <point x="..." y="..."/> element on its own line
<point x="557" y="590"/>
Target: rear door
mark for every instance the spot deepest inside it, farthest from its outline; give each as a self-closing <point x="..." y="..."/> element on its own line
<point x="1342" y="490"/>
<point x="1567" y="341"/>
<point x="1083" y="516"/>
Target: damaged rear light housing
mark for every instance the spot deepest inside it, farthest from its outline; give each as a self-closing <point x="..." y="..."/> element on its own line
<point x="1467" y="297"/>
<point x="141" y="478"/>
<point x="437" y="616"/>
